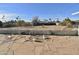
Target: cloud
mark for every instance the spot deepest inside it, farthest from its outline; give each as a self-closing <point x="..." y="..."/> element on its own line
<point x="8" y="16"/>
<point x="75" y="13"/>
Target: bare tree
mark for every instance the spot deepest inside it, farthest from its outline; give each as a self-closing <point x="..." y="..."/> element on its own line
<point x="35" y="20"/>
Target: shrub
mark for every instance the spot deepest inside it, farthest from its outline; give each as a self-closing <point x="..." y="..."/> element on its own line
<point x="67" y="22"/>
<point x="1" y="24"/>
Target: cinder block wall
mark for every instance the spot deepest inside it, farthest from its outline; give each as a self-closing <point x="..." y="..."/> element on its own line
<point x="41" y="32"/>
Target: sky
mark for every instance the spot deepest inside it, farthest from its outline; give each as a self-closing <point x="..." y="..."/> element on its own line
<point x="44" y="10"/>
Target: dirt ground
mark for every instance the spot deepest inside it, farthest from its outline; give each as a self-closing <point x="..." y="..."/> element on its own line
<point x="54" y="45"/>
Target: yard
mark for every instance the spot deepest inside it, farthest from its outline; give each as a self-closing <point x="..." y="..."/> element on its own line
<point x="55" y="45"/>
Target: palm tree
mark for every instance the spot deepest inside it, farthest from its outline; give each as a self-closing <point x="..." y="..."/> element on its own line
<point x="50" y="19"/>
<point x="18" y="18"/>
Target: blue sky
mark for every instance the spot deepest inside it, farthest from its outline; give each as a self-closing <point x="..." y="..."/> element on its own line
<point x="44" y="10"/>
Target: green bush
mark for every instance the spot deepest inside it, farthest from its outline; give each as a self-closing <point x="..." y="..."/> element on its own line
<point x="67" y="22"/>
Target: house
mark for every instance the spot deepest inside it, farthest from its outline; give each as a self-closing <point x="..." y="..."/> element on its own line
<point x="75" y="24"/>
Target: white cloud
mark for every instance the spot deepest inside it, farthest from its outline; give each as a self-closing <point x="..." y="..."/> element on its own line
<point x="8" y="16"/>
<point x="75" y="13"/>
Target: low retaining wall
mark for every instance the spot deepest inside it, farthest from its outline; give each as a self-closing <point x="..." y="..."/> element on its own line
<point x="66" y="33"/>
<point x="40" y="32"/>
